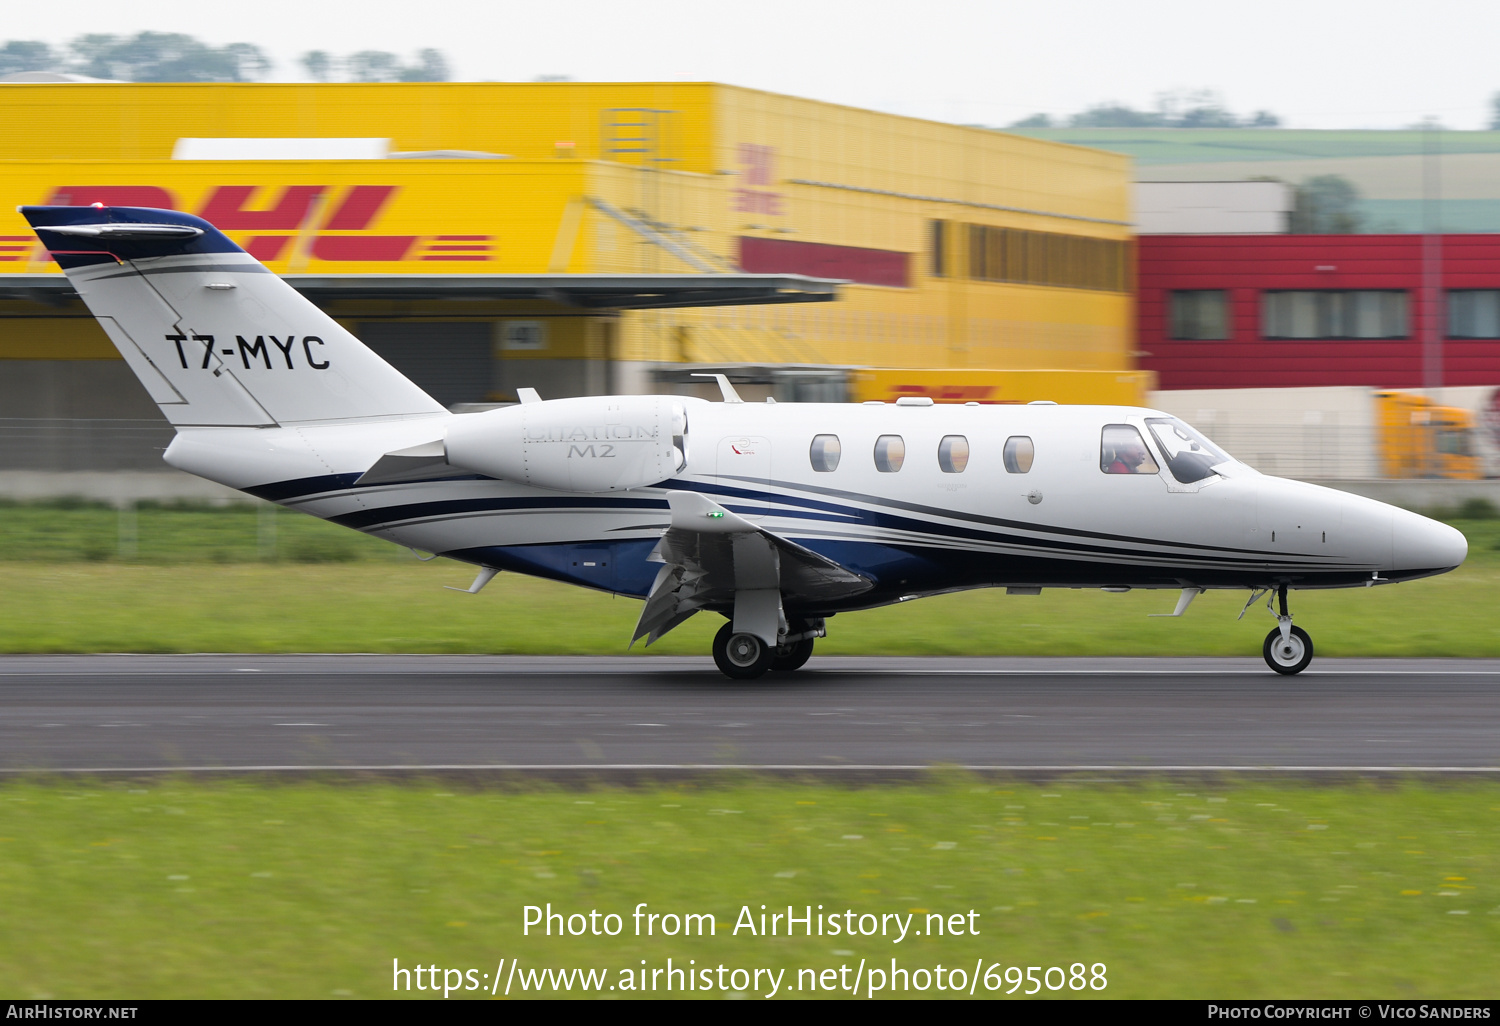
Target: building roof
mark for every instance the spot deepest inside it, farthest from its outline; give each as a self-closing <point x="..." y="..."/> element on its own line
<point x="584" y="291"/>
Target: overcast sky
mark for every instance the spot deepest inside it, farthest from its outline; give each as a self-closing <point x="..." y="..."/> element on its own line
<point x="1317" y="63"/>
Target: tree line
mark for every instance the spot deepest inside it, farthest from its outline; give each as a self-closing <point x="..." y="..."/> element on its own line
<point x="175" y="57"/>
<point x="1200" y="108"/>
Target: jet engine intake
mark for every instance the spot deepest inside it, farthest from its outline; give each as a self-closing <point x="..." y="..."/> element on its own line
<point x="586" y="444"/>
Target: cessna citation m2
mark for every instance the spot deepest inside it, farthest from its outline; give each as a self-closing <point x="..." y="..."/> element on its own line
<point x="776" y="516"/>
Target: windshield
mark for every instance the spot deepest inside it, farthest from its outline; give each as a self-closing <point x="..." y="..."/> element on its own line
<point x="1190" y="457"/>
<point x="1453" y="442"/>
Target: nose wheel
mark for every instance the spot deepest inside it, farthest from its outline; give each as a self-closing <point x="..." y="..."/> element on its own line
<point x="1287" y="649"/>
<point x="1289" y="654"/>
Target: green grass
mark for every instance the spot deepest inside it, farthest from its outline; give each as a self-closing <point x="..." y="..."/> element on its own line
<point x="169" y="534"/>
<point x="184" y="889"/>
<point x="383" y="600"/>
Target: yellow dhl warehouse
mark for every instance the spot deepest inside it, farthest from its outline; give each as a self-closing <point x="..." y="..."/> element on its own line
<point x="584" y="238"/>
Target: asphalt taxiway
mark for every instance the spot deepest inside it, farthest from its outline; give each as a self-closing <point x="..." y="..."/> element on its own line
<point x="662" y="714"/>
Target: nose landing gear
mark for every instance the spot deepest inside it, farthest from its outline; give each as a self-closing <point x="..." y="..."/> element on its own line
<point x="1287" y="649"/>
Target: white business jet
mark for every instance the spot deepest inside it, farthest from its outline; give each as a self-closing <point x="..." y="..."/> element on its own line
<point x="775" y="516"/>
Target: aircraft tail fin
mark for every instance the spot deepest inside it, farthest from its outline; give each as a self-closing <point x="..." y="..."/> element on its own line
<point x="212" y="334"/>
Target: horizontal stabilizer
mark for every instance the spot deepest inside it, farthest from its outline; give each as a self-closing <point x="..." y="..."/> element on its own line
<point x="160" y="232"/>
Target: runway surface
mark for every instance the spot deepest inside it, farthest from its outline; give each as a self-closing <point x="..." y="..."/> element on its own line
<point x="652" y="714"/>
<point x="134" y="713"/>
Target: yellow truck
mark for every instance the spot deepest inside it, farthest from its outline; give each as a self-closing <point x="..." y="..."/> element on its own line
<point x="1419" y="437"/>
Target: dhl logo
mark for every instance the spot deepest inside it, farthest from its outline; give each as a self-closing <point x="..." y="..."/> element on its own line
<point x="295" y="219"/>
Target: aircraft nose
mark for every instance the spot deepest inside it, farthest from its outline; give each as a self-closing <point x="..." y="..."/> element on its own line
<point x="1423" y="544"/>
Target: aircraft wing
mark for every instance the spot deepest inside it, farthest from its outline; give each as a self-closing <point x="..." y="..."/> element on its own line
<point x="712" y="557"/>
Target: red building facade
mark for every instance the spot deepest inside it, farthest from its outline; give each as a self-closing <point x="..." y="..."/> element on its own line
<point x="1273" y="311"/>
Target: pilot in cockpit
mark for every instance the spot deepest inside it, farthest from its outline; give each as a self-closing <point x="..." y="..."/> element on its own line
<point x="1123" y="452"/>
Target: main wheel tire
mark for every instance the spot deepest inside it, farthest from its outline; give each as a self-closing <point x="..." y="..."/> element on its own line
<point x="741" y="656"/>
<point x="792" y="657"/>
<point x="1289" y="656"/>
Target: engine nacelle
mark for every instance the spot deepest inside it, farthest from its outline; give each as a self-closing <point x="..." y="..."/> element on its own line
<point x="588" y="444"/>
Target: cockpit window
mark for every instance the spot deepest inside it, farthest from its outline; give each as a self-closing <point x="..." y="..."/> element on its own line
<point x="1189" y="455"/>
<point x="1121" y="451"/>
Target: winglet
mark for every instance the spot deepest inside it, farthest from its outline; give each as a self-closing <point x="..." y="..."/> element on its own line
<point x="528" y="395"/>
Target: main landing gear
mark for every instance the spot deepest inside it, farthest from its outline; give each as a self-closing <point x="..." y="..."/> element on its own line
<point x="1287" y="649"/>
<point x="745" y="656"/>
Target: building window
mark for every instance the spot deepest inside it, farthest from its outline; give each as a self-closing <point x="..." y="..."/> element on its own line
<point x="1019" y="454"/>
<point x="1200" y="314"/>
<point x="937" y="239"/>
<point x="825" y="453"/>
<point x="1334" y="314"/>
<point x="1048" y="258"/>
<point x="953" y="454"/>
<point x="1474" y="313"/>
<point x="890" y="453"/>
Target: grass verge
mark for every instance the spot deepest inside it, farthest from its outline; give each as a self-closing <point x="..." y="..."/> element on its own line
<point x="383" y="607"/>
<point x="325" y="589"/>
<point x="237" y="889"/>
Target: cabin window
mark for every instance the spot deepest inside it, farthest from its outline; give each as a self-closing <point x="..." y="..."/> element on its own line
<point x="890" y="453"/>
<point x="953" y="454"/>
<point x="1121" y="451"/>
<point x="825" y="453"/>
<point x="1019" y="454"/>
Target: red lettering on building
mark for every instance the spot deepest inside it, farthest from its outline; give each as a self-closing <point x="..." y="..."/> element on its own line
<point x="757" y="162"/>
<point x="266" y="248"/>
<point x="15" y="247"/>
<point x="948" y="393"/>
<point x="749" y="201"/>
<point x="458" y="247"/>
<point x="226" y="208"/>
<point x="363" y="247"/>
<point x="361" y="204"/>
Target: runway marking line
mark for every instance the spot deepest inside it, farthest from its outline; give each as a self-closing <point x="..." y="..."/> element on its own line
<point x="741" y="767"/>
<point x="810" y="674"/>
